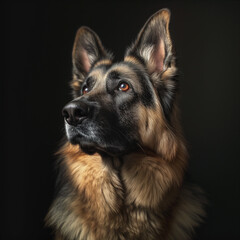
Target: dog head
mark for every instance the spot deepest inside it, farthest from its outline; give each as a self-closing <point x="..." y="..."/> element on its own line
<point x="119" y="107"/>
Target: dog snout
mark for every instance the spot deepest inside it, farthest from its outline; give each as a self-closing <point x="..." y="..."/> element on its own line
<point x="75" y="112"/>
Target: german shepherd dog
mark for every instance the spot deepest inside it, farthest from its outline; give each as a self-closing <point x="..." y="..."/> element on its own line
<point x="122" y="168"/>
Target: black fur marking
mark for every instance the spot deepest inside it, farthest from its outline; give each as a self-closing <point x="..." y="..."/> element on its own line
<point x="146" y="96"/>
<point x="146" y="124"/>
<point x="114" y="75"/>
<point x="123" y="100"/>
<point x="90" y="81"/>
<point x="125" y="106"/>
<point x="167" y="96"/>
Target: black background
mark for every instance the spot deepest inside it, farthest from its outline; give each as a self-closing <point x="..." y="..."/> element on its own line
<point x="38" y="44"/>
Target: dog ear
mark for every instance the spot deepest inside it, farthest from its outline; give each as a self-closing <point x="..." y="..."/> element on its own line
<point x="87" y="50"/>
<point x="153" y="47"/>
<point x="153" y="44"/>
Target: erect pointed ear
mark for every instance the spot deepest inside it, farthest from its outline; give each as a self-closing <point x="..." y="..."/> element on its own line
<point x="153" y="47"/>
<point x="87" y="50"/>
<point x="153" y="44"/>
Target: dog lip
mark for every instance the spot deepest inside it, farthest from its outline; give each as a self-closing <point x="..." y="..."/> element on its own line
<point x="77" y="122"/>
<point x="81" y="119"/>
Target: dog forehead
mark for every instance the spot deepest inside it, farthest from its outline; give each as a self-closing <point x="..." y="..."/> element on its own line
<point x="121" y="70"/>
<point x="102" y="73"/>
<point x="114" y="70"/>
<point x="97" y="73"/>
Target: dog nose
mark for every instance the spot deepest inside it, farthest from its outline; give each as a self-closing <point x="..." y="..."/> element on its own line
<point x="74" y="112"/>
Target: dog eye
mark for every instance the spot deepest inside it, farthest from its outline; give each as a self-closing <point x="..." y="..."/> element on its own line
<point x="85" y="90"/>
<point x="123" y="87"/>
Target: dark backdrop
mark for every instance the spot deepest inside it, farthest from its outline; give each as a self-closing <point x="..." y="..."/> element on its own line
<point x="38" y="44"/>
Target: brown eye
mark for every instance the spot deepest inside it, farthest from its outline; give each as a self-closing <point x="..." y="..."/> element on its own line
<point x="123" y="87"/>
<point x="85" y="90"/>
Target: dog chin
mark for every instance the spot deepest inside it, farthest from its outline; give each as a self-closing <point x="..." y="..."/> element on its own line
<point x="86" y="146"/>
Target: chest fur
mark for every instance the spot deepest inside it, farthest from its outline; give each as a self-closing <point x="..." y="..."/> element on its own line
<point x="123" y="200"/>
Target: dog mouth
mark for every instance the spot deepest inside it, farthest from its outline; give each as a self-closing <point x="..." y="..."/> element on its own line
<point x="77" y="137"/>
<point x="90" y="142"/>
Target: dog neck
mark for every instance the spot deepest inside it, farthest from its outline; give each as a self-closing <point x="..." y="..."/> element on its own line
<point x="140" y="171"/>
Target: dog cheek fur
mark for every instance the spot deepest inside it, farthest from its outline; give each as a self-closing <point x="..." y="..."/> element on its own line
<point x="155" y="134"/>
<point x="156" y="175"/>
